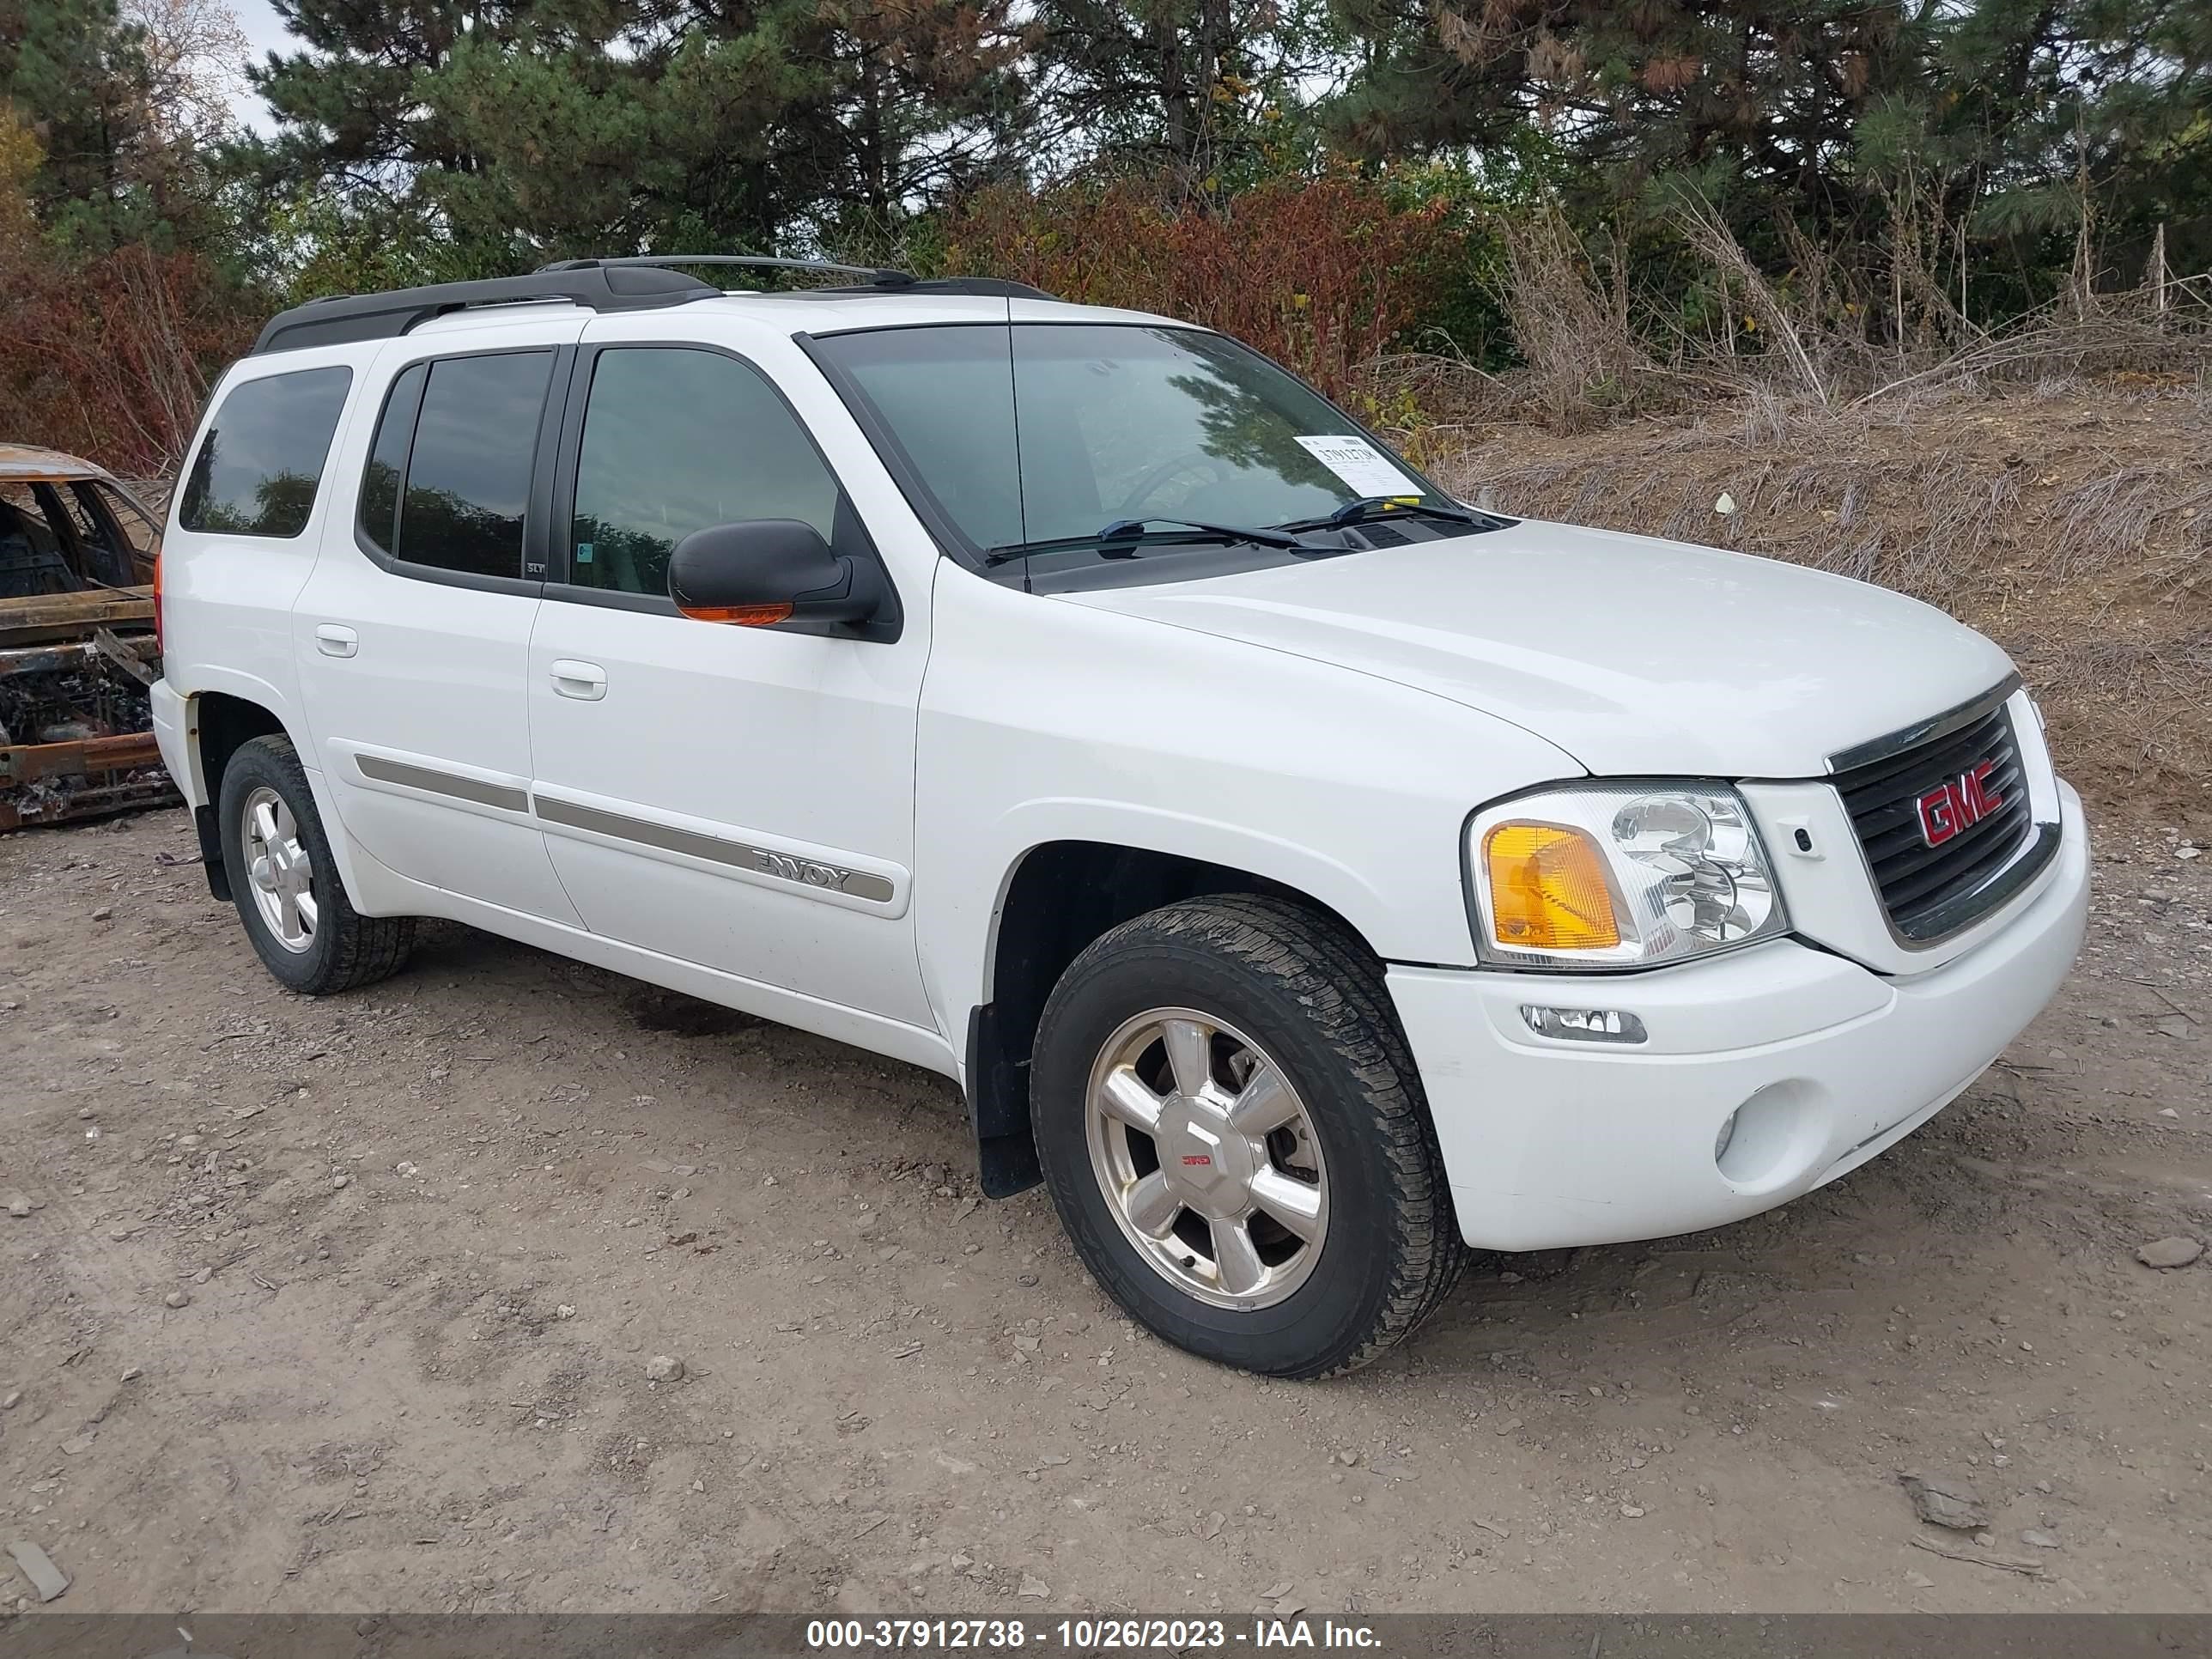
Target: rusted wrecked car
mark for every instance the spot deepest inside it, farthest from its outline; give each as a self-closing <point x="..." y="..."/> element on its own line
<point x="77" y="644"/>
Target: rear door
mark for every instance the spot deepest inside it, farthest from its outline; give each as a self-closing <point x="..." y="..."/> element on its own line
<point x="740" y="798"/>
<point x="412" y="636"/>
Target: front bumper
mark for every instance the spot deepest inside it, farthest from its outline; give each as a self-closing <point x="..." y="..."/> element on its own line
<point x="1550" y="1143"/>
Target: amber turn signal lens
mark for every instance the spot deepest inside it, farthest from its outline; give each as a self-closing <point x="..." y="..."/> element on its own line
<point x="745" y="615"/>
<point x="1547" y="889"/>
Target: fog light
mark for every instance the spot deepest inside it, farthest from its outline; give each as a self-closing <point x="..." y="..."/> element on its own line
<point x="1583" y="1024"/>
<point x="1721" y="1141"/>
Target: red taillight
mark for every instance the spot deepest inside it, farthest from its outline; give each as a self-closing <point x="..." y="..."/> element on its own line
<point x="157" y="601"/>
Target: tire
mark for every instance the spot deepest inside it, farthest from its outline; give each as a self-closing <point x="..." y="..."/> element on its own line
<point x="1286" y="990"/>
<point x="313" y="940"/>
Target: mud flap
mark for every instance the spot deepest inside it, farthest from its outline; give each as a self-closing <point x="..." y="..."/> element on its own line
<point x="218" y="877"/>
<point x="998" y="1111"/>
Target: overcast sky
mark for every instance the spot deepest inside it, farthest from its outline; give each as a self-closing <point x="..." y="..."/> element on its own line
<point x="258" y="19"/>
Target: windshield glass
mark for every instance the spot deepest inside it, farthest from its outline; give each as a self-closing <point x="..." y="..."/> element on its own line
<point x="1046" y="431"/>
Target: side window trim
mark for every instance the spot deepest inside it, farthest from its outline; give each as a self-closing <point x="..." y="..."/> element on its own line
<point x="575" y="393"/>
<point x="577" y="397"/>
<point x="542" y="515"/>
<point x="541" y="466"/>
<point x="385" y="409"/>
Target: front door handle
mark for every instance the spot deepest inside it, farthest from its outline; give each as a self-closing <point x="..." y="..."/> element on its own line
<point x="333" y="640"/>
<point x="584" y="681"/>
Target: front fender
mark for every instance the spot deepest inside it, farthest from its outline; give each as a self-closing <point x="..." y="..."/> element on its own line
<point x="1044" y="720"/>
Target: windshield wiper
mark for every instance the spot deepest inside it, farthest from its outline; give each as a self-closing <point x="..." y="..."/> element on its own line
<point x="1385" y="507"/>
<point x="1132" y="533"/>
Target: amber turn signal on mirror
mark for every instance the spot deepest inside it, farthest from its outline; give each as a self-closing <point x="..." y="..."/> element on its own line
<point x="745" y="615"/>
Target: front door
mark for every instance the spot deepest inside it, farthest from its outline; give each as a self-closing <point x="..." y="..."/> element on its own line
<point x="740" y="798"/>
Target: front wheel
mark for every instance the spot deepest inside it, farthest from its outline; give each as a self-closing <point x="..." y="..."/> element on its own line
<point x="1232" y="1129"/>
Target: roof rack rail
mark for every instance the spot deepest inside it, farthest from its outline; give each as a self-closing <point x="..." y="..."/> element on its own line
<point x="879" y="279"/>
<point x="349" y="317"/>
<point x="996" y="288"/>
<point x="637" y="282"/>
<point x="764" y="261"/>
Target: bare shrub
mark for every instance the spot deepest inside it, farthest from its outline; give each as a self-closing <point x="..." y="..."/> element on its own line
<point x="1811" y="340"/>
<point x="1582" y="356"/>
<point x="1713" y="241"/>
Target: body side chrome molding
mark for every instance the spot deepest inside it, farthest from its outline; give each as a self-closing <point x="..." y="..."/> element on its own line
<point x="378" y="769"/>
<point x="760" y="861"/>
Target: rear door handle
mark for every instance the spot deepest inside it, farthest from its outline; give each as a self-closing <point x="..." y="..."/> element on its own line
<point x="584" y="681"/>
<point x="333" y="640"/>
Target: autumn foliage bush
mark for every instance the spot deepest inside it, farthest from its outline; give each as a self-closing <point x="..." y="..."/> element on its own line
<point x="111" y="358"/>
<point x="1323" y="274"/>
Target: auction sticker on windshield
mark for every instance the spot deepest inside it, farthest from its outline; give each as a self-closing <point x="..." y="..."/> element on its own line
<point x="1361" y="465"/>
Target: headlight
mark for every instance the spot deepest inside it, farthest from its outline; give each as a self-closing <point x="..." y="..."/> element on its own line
<point x="1605" y="875"/>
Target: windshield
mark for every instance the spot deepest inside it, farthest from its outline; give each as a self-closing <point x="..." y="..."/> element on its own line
<point x="1052" y="432"/>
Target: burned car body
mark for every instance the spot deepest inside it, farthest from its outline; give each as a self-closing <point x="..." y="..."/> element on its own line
<point x="77" y="645"/>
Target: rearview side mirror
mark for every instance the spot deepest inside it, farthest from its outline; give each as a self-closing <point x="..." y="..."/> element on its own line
<point x="760" y="572"/>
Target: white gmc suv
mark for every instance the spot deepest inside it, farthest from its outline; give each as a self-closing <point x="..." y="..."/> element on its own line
<point x="1307" y="876"/>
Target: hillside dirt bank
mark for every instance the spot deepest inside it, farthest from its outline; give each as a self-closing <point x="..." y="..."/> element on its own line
<point x="2072" y="522"/>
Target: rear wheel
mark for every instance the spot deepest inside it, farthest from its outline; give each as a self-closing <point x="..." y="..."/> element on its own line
<point x="1232" y="1129"/>
<point x="286" y="885"/>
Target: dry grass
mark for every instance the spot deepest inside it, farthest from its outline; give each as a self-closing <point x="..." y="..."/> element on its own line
<point x="1582" y="358"/>
<point x="2071" y="521"/>
<point x="1811" y="341"/>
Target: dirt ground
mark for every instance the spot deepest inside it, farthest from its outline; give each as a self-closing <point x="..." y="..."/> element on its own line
<point x="349" y="1305"/>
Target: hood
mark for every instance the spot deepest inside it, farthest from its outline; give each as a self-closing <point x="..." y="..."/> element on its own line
<point x="1633" y="655"/>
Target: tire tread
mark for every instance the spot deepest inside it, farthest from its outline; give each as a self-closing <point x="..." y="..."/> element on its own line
<point x="362" y="949"/>
<point x="1318" y="965"/>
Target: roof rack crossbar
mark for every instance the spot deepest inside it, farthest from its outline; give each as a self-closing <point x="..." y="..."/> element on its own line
<point x="349" y="317"/>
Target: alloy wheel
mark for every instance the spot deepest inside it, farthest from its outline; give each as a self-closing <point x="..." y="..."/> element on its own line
<point x="278" y="866"/>
<point x="1207" y="1159"/>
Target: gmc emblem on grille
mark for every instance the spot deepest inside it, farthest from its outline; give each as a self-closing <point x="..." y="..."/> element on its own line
<point x="1957" y="803"/>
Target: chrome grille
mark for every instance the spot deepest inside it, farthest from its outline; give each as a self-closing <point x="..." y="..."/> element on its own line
<point x="1930" y="891"/>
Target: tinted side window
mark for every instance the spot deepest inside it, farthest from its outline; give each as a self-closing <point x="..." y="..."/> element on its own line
<point x="261" y="460"/>
<point x="467" y="476"/>
<point x="387" y="458"/>
<point x="677" y="440"/>
<point x="947" y="394"/>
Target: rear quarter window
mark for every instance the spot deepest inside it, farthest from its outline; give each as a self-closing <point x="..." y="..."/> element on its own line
<point x="261" y="460"/>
